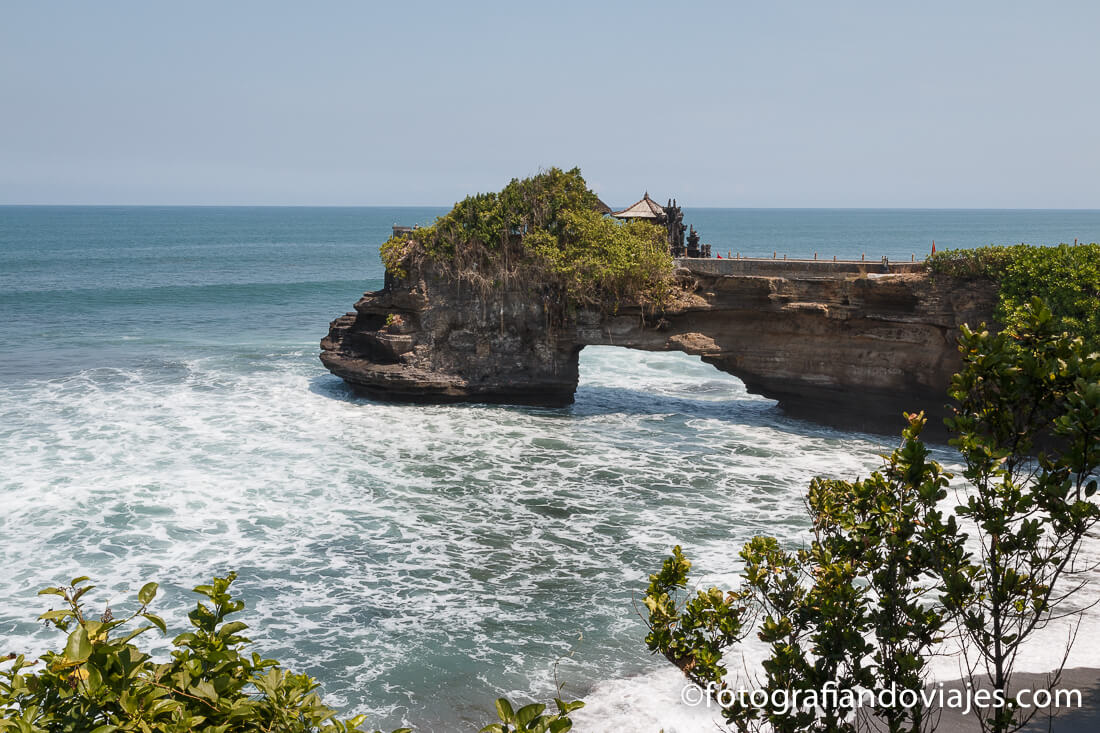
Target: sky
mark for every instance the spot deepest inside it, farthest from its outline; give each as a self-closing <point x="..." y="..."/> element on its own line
<point x="740" y="104"/>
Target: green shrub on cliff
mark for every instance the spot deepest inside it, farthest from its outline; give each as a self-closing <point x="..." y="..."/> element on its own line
<point x="1066" y="277"/>
<point x="595" y="258"/>
<point x="545" y="232"/>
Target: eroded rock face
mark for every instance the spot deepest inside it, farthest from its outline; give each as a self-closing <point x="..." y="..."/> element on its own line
<point x="839" y="347"/>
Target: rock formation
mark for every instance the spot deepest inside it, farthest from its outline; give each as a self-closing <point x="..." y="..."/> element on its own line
<point x="842" y="345"/>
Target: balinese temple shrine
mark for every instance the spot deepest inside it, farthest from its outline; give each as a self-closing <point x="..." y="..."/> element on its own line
<point x="672" y="219"/>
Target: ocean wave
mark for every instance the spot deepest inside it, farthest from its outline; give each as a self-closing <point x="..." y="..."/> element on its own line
<point x="418" y="560"/>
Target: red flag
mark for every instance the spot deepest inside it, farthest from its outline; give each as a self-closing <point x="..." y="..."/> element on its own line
<point x="933" y="246"/>
<point x="719" y="256"/>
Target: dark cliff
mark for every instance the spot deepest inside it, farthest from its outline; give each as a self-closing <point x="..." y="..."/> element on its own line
<point x="844" y="347"/>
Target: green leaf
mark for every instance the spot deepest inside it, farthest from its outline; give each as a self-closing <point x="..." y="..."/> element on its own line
<point x="204" y="689"/>
<point x="156" y="621"/>
<point x="232" y="628"/>
<point x="54" y="615"/>
<point x="528" y="713"/>
<point x="94" y="679"/>
<point x="79" y="647"/>
<point x="185" y="639"/>
<point x="504" y="711"/>
<point x="147" y="593"/>
<point x="82" y="591"/>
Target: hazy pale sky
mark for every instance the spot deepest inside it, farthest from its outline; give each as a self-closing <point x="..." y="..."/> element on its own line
<point x="848" y="104"/>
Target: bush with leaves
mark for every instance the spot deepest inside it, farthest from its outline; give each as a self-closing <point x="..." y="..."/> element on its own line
<point x="887" y="574"/>
<point x="102" y="682"/>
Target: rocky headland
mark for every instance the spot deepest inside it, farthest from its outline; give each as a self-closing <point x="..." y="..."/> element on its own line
<point x="849" y="344"/>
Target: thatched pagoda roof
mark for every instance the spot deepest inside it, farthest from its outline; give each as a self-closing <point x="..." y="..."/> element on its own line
<point x="647" y="208"/>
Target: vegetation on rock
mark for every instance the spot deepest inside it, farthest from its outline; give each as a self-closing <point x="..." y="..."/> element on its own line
<point x="1066" y="277"/>
<point x="888" y="573"/>
<point x="544" y="233"/>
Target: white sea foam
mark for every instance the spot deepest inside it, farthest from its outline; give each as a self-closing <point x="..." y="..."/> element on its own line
<point x="417" y="560"/>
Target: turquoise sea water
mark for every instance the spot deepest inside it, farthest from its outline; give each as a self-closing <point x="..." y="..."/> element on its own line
<point x="163" y="415"/>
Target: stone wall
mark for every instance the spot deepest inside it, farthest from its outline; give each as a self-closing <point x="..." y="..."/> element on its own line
<point x="790" y="268"/>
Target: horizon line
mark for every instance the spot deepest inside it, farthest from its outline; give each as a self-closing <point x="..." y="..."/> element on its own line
<point x="444" y="206"/>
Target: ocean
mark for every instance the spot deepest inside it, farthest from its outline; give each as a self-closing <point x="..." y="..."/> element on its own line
<point x="164" y="416"/>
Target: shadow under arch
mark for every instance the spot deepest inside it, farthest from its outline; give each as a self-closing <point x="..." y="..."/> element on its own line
<point x="649" y="384"/>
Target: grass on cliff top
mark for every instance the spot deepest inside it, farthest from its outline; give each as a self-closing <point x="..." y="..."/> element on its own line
<point x="546" y="234"/>
<point x="1067" y="277"/>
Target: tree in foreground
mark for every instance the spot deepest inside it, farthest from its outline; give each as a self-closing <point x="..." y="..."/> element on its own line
<point x="887" y="574"/>
<point x="1027" y="418"/>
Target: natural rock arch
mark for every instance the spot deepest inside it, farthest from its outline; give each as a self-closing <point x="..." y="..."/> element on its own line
<point x="850" y="344"/>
